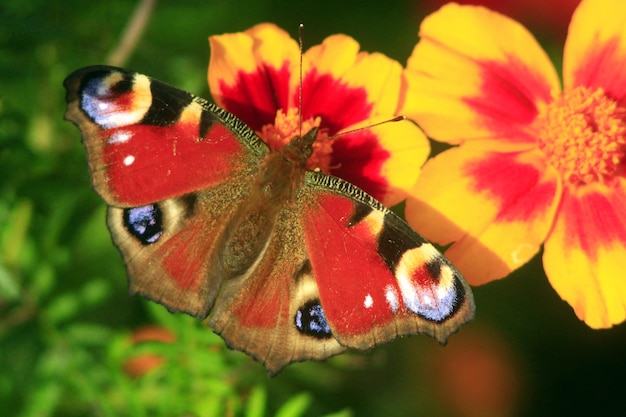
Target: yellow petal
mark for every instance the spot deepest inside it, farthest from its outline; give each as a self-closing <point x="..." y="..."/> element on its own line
<point x="338" y="56"/>
<point x="401" y="148"/>
<point x="264" y="45"/>
<point x="595" y="50"/>
<point x="347" y="88"/>
<point x="584" y="255"/>
<point x="476" y="74"/>
<point x="272" y="45"/>
<point x="381" y="77"/>
<point x="335" y="55"/>
<point x="408" y="150"/>
<point x="497" y="208"/>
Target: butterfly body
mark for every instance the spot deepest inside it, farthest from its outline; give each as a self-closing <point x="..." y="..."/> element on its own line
<point x="290" y="264"/>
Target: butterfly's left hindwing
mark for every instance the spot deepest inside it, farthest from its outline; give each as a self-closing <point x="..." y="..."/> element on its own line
<point x="167" y="246"/>
<point x="172" y="168"/>
<point x="290" y="264"/>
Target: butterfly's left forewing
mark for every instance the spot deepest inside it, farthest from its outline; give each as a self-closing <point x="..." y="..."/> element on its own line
<point x="172" y="168"/>
<point x="147" y="141"/>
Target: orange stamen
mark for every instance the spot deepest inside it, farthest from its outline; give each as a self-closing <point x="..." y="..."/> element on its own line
<point x="287" y="126"/>
<point x="583" y="135"/>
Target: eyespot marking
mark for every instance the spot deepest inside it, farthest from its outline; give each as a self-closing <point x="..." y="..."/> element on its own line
<point x="311" y="320"/>
<point x="144" y="223"/>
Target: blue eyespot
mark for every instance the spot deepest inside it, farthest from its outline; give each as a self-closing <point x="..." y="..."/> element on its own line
<point x="311" y="320"/>
<point x="144" y="223"/>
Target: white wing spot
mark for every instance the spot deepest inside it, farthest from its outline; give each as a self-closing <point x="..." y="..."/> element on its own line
<point x="408" y="291"/>
<point x="120" y="137"/>
<point x="442" y="292"/>
<point x="392" y="298"/>
<point x="129" y="160"/>
<point x="368" y="302"/>
<point x="428" y="301"/>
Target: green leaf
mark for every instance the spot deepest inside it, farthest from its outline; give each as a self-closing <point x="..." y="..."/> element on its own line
<point x="295" y="406"/>
<point x="9" y="289"/>
<point x="342" y="413"/>
<point x="257" y="402"/>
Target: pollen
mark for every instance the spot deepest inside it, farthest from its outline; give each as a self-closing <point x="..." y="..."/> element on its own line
<point x="583" y="135"/>
<point x="287" y="126"/>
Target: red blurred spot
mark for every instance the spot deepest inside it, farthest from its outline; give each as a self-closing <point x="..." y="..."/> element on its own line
<point x="139" y="365"/>
<point x="152" y="334"/>
<point x="477" y="374"/>
<point x="604" y="70"/>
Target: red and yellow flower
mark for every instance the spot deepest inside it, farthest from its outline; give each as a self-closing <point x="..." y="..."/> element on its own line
<point x="535" y="163"/>
<point x="256" y="76"/>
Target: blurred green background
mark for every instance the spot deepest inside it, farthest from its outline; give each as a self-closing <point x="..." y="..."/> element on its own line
<point x="72" y="343"/>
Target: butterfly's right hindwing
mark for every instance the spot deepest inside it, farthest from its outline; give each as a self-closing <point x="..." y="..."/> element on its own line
<point x="383" y="279"/>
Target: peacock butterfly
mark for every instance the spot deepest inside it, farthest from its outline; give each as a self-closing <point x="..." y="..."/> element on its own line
<point x="291" y="264"/>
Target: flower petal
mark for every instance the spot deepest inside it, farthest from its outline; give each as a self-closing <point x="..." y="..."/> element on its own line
<point x="346" y="87"/>
<point x="251" y="73"/>
<point x="330" y="98"/>
<point x="595" y="50"/>
<point x="476" y="74"/>
<point x="584" y="254"/>
<point x="334" y="56"/>
<point x="381" y="77"/>
<point x="384" y="160"/>
<point x="496" y="207"/>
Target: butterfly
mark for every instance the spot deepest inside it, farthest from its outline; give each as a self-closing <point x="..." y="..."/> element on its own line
<point x="290" y="264"/>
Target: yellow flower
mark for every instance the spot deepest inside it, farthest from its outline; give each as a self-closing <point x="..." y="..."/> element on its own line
<point x="535" y="163"/>
<point x="255" y="75"/>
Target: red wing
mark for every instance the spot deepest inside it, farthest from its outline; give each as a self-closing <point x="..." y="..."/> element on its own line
<point x="272" y="311"/>
<point x="377" y="278"/>
<point x="168" y="247"/>
<point x="147" y="141"/>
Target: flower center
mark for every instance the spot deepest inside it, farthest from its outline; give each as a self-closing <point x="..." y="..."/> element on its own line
<point x="287" y="126"/>
<point x="583" y="135"/>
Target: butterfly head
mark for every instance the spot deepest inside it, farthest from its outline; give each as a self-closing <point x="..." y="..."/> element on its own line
<point x="300" y="148"/>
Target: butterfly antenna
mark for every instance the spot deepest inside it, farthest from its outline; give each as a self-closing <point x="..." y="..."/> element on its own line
<point x="300" y="36"/>
<point x="394" y="119"/>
